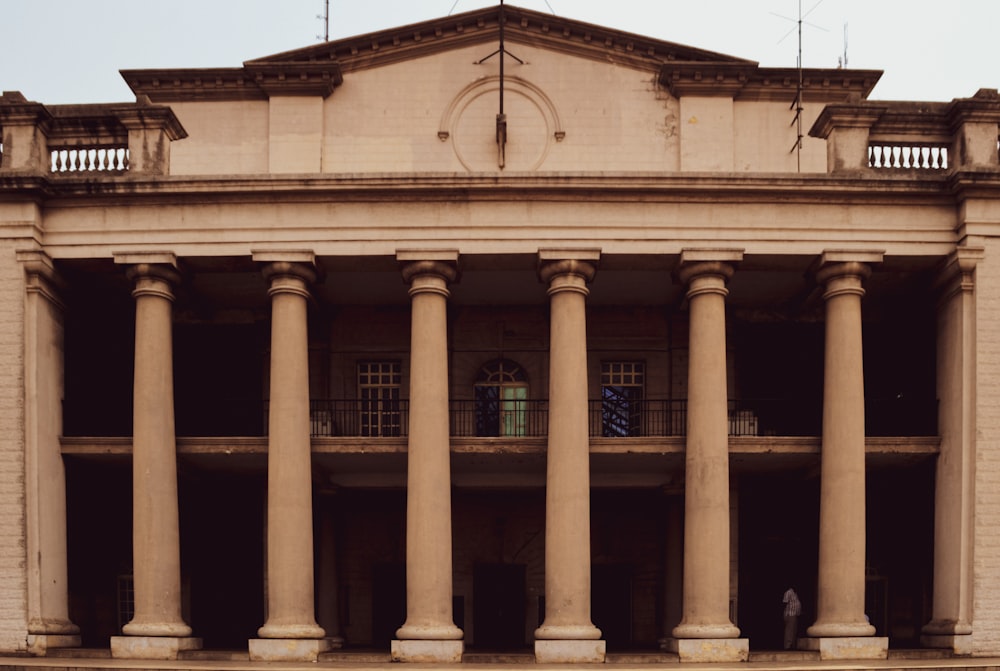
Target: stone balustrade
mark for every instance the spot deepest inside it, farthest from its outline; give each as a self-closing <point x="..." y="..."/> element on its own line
<point x="897" y="156"/>
<point x="112" y="139"/>
<point x="899" y="136"/>
<point x="90" y="159"/>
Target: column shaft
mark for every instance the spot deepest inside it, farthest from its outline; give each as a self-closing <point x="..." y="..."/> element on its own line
<point x="706" y="497"/>
<point x="49" y="625"/>
<point x="841" y="586"/>
<point x="951" y="624"/>
<point x="429" y="633"/>
<point x="290" y="594"/>
<point x="567" y="485"/>
<point x="155" y="525"/>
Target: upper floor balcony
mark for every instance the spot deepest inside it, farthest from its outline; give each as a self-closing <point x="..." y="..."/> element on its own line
<point x="631" y="420"/>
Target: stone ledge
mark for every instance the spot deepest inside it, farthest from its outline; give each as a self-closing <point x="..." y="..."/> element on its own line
<point x="152" y="647"/>
<point x="710" y="649"/>
<point x="847" y="647"/>
<point x="427" y="651"/>
<point x="577" y="651"/>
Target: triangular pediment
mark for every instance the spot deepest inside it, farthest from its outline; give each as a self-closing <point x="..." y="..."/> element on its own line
<point x="318" y="69"/>
<point x="521" y="26"/>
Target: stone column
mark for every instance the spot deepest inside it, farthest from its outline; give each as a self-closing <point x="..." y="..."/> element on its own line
<point x="951" y="623"/>
<point x="290" y="632"/>
<point x="429" y="633"/>
<point x="705" y="633"/>
<point x="157" y="631"/>
<point x="49" y="625"/>
<point x="567" y="633"/>
<point x="841" y="630"/>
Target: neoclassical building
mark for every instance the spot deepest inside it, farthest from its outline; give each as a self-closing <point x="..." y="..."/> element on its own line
<point x="504" y="333"/>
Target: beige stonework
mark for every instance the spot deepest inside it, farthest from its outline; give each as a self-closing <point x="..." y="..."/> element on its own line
<point x="848" y="647"/>
<point x="711" y="650"/>
<point x="295" y="323"/>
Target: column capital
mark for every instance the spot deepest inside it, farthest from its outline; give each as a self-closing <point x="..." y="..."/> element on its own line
<point x="298" y="264"/>
<point x="707" y="271"/>
<point x="441" y="263"/>
<point x="843" y="271"/>
<point x="581" y="263"/>
<point x="956" y="273"/>
<point x="41" y="275"/>
<point x="153" y="273"/>
<point x="839" y="262"/>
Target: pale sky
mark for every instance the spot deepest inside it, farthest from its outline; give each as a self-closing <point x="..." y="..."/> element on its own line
<point x="70" y="51"/>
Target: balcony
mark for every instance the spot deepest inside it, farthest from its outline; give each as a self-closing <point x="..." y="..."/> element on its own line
<point x="650" y="418"/>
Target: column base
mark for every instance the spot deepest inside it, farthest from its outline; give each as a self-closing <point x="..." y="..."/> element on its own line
<point x="152" y="647"/>
<point x="710" y="649"/>
<point x="287" y="649"/>
<point x="847" y="647"/>
<point x="426" y="651"/>
<point x="38" y="644"/>
<point x="570" y="651"/>
<point x="959" y="644"/>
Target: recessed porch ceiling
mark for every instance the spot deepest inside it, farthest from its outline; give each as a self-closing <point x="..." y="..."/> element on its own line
<point x="222" y="285"/>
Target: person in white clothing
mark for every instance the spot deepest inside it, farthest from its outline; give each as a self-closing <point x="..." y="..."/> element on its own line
<point x="793" y="608"/>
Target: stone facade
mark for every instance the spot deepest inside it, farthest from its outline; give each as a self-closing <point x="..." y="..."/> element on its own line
<point x="323" y="353"/>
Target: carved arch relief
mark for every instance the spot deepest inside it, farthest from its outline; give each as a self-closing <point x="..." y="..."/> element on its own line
<point x="469" y="123"/>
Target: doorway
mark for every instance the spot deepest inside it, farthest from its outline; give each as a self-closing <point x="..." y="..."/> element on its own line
<point x="388" y="601"/>
<point x="611" y="603"/>
<point x="499" y="604"/>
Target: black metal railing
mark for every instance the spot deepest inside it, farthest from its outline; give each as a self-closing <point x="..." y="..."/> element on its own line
<point x="375" y="418"/>
<point x="510" y="418"/>
<point x="515" y="418"/>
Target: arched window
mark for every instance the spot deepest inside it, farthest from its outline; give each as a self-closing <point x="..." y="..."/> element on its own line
<point x="501" y="393"/>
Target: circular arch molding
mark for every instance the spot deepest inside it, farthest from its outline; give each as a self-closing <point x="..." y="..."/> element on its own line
<point x="453" y="112"/>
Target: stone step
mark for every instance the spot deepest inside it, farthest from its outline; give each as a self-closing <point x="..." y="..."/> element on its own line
<point x="784" y="656"/>
<point x="214" y="655"/>
<point x="498" y="658"/>
<point x="80" y="653"/>
<point x="920" y="653"/>
<point x="642" y="658"/>
<point x="356" y="656"/>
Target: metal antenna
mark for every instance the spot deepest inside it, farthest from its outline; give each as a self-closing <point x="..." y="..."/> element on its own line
<point x="797" y="104"/>
<point x="325" y="18"/>
<point x="844" y="62"/>
<point x="501" y="117"/>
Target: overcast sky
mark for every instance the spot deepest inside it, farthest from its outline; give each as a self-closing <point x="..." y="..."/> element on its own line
<point x="70" y="51"/>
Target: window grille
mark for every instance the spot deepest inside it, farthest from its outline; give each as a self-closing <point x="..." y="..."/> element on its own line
<point x="622" y="391"/>
<point x="379" y="384"/>
<point x="501" y="395"/>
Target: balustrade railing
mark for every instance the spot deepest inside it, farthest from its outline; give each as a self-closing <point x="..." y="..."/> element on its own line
<point x="375" y="418"/>
<point x="89" y="159"/>
<point x="500" y="418"/>
<point x="899" y="156"/>
<point x="896" y="416"/>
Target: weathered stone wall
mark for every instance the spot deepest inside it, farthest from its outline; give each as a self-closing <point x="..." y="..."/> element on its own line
<point x="13" y="580"/>
<point x="986" y="559"/>
<point x="438" y="114"/>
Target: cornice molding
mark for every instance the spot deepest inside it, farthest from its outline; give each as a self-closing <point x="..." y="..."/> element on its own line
<point x="747" y="81"/>
<point x="254" y="81"/>
<point x="481" y="26"/>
